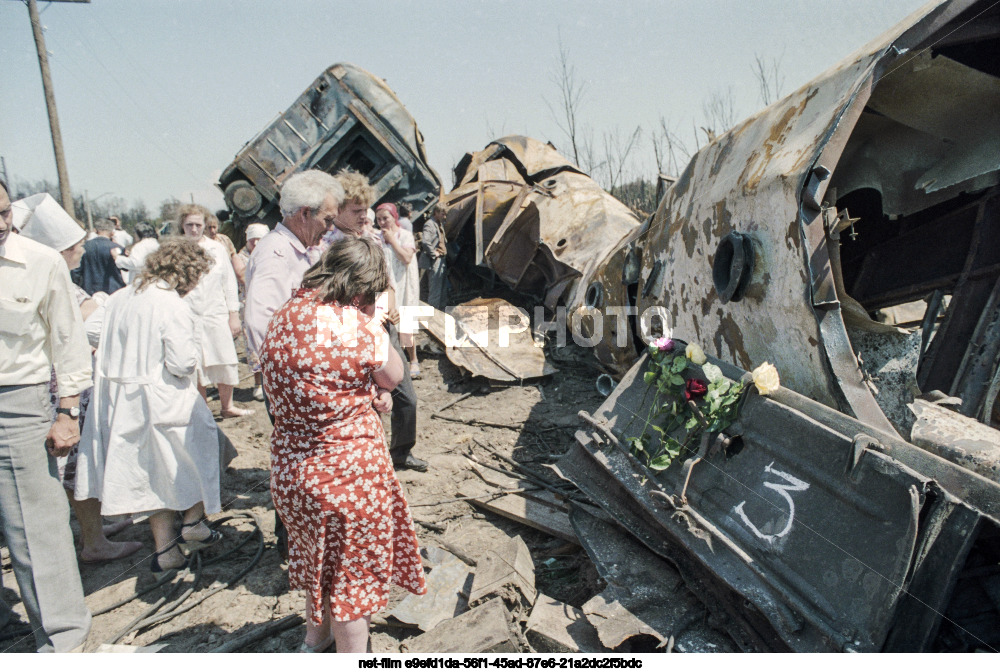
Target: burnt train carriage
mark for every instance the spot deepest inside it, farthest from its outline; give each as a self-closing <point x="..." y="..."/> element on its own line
<point x="859" y="507"/>
<point x="347" y="118"/>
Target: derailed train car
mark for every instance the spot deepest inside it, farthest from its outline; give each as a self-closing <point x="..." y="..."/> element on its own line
<point x="347" y="118"/>
<point x="857" y="508"/>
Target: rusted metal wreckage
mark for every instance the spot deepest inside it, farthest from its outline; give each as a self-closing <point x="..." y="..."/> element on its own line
<point x="347" y="118"/>
<point x="522" y="211"/>
<point x="857" y="508"/>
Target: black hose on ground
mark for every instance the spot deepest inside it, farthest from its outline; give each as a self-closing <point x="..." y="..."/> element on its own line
<point x="150" y="617"/>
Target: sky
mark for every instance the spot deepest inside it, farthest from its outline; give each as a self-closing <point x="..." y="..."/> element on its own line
<point x="156" y="97"/>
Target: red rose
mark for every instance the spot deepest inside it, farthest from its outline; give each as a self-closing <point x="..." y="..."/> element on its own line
<point x="695" y="388"/>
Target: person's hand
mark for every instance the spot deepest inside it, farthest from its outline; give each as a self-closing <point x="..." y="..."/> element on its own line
<point x="62" y="436"/>
<point x="383" y="401"/>
<point x="390" y="235"/>
<point x="441" y="249"/>
<point x="391" y="317"/>
<point x="234" y="324"/>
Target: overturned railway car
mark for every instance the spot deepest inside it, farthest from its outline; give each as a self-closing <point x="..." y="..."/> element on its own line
<point x="858" y="507"/>
<point x="347" y="118"/>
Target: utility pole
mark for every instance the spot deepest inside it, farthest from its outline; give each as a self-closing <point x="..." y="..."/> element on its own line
<point x="90" y="216"/>
<point x="65" y="194"/>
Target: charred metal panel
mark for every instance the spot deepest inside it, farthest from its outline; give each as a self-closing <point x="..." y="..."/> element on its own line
<point x="957" y="438"/>
<point x="647" y="588"/>
<point x="814" y="519"/>
<point x="882" y="122"/>
<point x="607" y="477"/>
<point x="750" y="181"/>
<point x="347" y="118"/>
<point x="520" y="209"/>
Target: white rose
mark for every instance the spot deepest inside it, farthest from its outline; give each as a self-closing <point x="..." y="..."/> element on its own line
<point x="765" y="377"/>
<point x="694" y="352"/>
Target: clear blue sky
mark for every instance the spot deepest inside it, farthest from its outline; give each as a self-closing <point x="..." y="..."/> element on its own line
<point x="155" y="97"/>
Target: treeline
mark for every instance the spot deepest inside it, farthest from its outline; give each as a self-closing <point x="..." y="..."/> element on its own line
<point x="101" y="206"/>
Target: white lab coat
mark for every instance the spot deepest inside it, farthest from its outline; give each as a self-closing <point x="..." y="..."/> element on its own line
<point x="149" y="442"/>
<point x="136" y="259"/>
<point x="215" y="296"/>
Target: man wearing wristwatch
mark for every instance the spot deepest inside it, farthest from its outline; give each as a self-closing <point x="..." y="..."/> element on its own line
<point x="40" y="328"/>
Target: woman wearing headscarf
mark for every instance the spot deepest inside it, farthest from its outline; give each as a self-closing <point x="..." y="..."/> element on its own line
<point x="43" y="220"/>
<point x="150" y="443"/>
<point x="254" y="233"/>
<point x="401" y="249"/>
<point x="328" y="368"/>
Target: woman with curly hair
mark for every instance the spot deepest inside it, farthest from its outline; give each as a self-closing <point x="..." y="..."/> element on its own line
<point x="150" y="444"/>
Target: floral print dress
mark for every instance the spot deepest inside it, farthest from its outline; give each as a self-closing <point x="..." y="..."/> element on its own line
<point x="350" y="533"/>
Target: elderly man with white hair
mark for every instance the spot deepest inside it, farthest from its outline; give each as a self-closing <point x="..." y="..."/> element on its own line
<point x="310" y="202"/>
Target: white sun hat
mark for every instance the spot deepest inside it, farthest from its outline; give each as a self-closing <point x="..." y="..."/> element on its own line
<point x="43" y="220"/>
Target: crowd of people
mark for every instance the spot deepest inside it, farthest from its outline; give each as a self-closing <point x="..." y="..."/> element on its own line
<point x="109" y="344"/>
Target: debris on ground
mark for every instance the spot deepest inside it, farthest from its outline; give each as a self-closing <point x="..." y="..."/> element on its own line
<point x="557" y="627"/>
<point x="485" y="629"/>
<point x="507" y="572"/>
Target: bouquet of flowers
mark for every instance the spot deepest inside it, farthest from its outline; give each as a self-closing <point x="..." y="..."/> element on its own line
<point x="684" y="400"/>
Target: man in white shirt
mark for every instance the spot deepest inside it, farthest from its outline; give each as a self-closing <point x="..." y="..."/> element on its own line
<point x="309" y="204"/>
<point x="40" y="328"/>
<point x="310" y="201"/>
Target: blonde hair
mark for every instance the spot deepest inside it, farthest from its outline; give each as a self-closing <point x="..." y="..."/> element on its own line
<point x="179" y="262"/>
<point x="189" y="209"/>
<point x="357" y="189"/>
<point x="351" y="267"/>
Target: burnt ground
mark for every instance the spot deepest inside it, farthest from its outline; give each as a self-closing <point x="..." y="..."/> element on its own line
<point x="532" y="424"/>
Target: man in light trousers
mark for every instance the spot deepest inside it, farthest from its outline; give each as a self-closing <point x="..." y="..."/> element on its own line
<point x="40" y="327"/>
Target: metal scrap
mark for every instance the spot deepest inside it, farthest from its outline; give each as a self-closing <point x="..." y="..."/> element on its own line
<point x="957" y="438"/>
<point x="489" y="338"/>
<point x="445" y="585"/>
<point x="523" y="211"/>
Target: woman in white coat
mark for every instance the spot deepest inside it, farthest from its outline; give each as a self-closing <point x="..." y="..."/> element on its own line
<point x="216" y="304"/>
<point x="150" y="444"/>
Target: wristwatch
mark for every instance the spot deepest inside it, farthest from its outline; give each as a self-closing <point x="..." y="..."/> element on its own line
<point x="72" y="411"/>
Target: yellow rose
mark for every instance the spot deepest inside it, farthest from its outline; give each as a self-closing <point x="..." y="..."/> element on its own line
<point x="765" y="377"/>
<point x="694" y="352"/>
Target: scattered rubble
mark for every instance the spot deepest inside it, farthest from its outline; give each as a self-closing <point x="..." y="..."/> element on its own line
<point x="489" y="338"/>
<point x="556" y="627"/>
<point x="508" y="573"/>
<point x="486" y="629"/>
<point x="448" y="585"/>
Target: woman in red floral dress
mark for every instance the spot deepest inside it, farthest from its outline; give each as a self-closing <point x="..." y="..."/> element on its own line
<point x="326" y="360"/>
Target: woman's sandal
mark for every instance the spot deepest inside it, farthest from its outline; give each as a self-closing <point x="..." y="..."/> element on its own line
<point x="192" y="545"/>
<point x="158" y="572"/>
<point x="319" y="648"/>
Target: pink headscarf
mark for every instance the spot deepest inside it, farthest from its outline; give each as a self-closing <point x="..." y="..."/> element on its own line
<point x="391" y="207"/>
